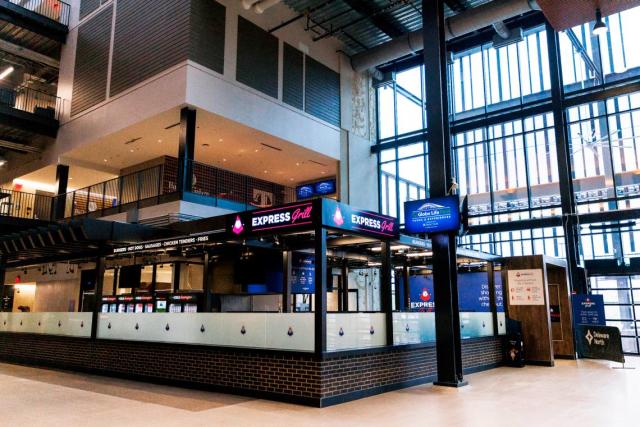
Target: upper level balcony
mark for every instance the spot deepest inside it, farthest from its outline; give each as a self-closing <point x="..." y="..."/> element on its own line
<point x="154" y="186"/>
<point x="25" y="111"/>
<point x="22" y="19"/>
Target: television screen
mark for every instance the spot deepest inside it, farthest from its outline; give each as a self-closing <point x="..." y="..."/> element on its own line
<point x="433" y="215"/>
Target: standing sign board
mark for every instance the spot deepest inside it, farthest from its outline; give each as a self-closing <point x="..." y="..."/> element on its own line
<point x="302" y="273"/>
<point x="526" y="287"/>
<point x="588" y="309"/>
<point x="599" y="342"/>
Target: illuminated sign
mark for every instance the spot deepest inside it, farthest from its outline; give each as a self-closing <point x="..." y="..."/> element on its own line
<point x="319" y="188"/>
<point x="164" y="244"/>
<point x="434" y="215"/>
<point x="280" y="218"/>
<point x="339" y="215"/>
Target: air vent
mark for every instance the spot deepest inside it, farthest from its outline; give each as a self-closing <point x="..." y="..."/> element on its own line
<point x="172" y="126"/>
<point x="132" y="140"/>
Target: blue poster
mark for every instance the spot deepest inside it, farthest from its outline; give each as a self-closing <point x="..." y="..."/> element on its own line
<point x="432" y="215"/>
<point x="421" y="297"/>
<point x="302" y="273"/>
<point x="497" y="282"/>
<point x="588" y="309"/>
<point x="473" y="292"/>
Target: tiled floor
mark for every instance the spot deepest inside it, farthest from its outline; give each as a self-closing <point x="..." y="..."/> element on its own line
<point x="586" y="393"/>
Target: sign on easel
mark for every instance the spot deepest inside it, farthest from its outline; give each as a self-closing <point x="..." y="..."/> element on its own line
<point x="526" y="287"/>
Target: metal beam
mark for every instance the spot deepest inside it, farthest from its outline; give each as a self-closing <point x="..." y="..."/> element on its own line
<point x="29" y="54"/>
<point x="383" y="21"/>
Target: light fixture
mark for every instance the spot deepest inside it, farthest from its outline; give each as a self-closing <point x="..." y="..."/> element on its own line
<point x="419" y="254"/>
<point x="599" y="27"/>
<point x="3" y="161"/>
<point x="6" y="72"/>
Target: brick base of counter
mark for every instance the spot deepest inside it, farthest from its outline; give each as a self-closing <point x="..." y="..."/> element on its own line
<point x="297" y="377"/>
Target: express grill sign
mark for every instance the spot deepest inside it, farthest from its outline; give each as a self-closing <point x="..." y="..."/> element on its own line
<point x="274" y="219"/>
<point x="342" y="216"/>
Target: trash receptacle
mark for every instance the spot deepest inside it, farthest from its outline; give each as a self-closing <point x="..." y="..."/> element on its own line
<point x="515" y="345"/>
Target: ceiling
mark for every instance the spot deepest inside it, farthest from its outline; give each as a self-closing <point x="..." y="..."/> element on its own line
<point x="219" y="142"/>
<point x="79" y="177"/>
<point x="363" y="24"/>
<point x="581" y="10"/>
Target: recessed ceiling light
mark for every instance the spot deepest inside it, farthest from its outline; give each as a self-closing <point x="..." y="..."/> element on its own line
<point x="224" y="160"/>
<point x="323" y="172"/>
<point x="159" y="140"/>
<point x="105" y="160"/>
<point x="220" y="140"/>
<point x="132" y="150"/>
<point x="290" y="179"/>
<point x="256" y="150"/>
<point x="266" y="171"/>
<point x="70" y="178"/>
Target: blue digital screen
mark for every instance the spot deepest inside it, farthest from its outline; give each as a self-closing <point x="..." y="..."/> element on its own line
<point x="304" y="191"/>
<point x="302" y="273"/>
<point x="325" y="187"/>
<point x="432" y="215"/>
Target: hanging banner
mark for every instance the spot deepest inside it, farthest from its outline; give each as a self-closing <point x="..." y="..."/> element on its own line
<point x="526" y="287"/>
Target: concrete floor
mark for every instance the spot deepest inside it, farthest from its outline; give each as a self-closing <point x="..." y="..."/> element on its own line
<point x="585" y="393"/>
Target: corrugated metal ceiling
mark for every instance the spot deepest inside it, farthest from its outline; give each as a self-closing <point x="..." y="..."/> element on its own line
<point x="363" y="24"/>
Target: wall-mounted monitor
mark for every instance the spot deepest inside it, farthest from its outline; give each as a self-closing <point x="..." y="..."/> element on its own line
<point x="325" y="187"/>
<point x="435" y="215"/>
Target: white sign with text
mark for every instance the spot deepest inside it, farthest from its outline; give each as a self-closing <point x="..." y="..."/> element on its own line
<point x="526" y="287"/>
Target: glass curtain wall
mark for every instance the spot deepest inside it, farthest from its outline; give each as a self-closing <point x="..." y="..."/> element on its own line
<point x="509" y="169"/>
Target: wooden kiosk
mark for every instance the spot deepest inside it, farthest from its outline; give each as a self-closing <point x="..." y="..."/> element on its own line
<point x="537" y="294"/>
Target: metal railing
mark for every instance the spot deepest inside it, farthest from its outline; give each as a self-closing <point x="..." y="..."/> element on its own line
<point x="32" y="101"/>
<point x="55" y="10"/>
<point x="126" y="189"/>
<point x="25" y="205"/>
<point x="154" y="182"/>
<point x="215" y="182"/>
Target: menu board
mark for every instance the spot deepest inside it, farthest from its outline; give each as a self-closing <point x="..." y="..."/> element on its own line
<point x="526" y="287"/>
<point x="302" y="273"/>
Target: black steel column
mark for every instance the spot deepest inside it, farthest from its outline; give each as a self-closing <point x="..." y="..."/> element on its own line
<point x="3" y="271"/>
<point x="286" y="285"/>
<point x="385" y="290"/>
<point x="448" y="345"/>
<point x="100" y="267"/>
<point x="62" y="181"/>
<point x="320" y="296"/>
<point x="492" y="296"/>
<point x="406" y="304"/>
<point x="344" y="274"/>
<point x="207" y="284"/>
<point x="186" y="149"/>
<point x="577" y="280"/>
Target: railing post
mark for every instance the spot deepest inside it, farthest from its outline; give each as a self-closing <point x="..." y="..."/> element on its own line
<point x="139" y="185"/>
<point x="100" y="267"/>
<point x="104" y="197"/>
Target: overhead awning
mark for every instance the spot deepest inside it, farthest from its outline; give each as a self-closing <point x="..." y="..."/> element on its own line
<point x="78" y="238"/>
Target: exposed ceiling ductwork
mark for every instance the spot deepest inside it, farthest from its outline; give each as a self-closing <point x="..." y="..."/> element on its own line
<point x="464" y="23"/>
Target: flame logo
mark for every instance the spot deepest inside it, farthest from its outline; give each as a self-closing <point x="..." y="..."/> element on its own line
<point x="425" y="295"/>
<point x="237" y="226"/>
<point x="338" y="219"/>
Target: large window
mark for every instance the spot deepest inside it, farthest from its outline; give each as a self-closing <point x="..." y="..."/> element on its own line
<point x="605" y="153"/>
<point x="621" y="296"/>
<point x="486" y="78"/>
<point x="509" y="170"/>
<point x="504" y="150"/>
<point x="589" y="60"/>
